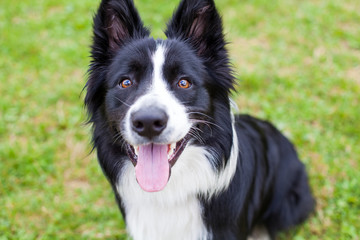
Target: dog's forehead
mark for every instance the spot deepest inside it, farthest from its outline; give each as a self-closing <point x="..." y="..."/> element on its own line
<point x="138" y="49"/>
<point x="146" y="47"/>
<point x="142" y="51"/>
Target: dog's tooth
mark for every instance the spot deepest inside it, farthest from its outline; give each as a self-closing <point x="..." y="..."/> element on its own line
<point x="136" y="148"/>
<point x="171" y="152"/>
<point x="172" y="149"/>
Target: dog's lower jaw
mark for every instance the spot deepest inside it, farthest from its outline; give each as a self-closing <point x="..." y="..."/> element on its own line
<point x="153" y="163"/>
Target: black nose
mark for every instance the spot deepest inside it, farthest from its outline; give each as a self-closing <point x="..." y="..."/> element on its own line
<point x="149" y="122"/>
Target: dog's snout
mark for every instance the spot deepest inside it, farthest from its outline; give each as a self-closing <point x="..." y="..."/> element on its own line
<point x="149" y="122"/>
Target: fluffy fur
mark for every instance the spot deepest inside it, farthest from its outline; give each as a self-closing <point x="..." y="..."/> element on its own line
<point x="228" y="174"/>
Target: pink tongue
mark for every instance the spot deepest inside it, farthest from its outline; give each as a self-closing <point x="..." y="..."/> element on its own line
<point x="152" y="169"/>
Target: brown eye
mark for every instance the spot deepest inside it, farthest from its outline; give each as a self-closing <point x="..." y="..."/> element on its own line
<point x="183" y="83"/>
<point x="126" y="83"/>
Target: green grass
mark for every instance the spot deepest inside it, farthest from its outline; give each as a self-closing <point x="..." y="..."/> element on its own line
<point x="299" y="66"/>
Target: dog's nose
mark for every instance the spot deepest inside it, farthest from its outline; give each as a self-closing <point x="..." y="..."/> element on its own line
<point x="149" y="122"/>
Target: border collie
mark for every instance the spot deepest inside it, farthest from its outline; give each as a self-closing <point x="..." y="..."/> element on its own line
<point x="181" y="165"/>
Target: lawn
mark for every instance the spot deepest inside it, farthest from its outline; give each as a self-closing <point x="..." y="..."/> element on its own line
<point x="298" y="64"/>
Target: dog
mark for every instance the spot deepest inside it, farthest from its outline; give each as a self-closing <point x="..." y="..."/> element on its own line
<point x="180" y="163"/>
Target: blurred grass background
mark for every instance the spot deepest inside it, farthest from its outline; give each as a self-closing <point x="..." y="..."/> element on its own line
<point x="299" y="66"/>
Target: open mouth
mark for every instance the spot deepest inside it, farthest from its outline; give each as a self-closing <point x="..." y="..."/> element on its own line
<point x="153" y="163"/>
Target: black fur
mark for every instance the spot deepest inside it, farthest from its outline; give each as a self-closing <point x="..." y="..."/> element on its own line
<point x="270" y="185"/>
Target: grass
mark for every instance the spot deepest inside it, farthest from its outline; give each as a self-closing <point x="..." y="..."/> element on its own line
<point x="299" y="66"/>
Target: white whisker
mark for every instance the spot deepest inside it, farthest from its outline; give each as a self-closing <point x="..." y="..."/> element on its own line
<point x="128" y="105"/>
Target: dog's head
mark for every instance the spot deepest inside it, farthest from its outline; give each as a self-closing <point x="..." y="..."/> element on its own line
<point x="154" y="97"/>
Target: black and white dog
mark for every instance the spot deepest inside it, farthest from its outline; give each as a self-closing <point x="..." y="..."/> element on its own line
<point x="181" y="165"/>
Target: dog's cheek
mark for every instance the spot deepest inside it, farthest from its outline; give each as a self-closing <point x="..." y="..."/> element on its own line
<point x="114" y="110"/>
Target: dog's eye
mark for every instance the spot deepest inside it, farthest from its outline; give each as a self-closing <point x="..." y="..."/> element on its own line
<point x="183" y="83"/>
<point x="126" y="83"/>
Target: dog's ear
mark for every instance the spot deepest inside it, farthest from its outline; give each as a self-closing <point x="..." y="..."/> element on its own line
<point x="116" y="22"/>
<point x="198" y="22"/>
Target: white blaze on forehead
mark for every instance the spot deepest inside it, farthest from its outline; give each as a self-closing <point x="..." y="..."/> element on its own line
<point x="158" y="83"/>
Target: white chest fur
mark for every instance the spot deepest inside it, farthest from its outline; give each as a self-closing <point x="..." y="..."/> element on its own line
<point x="175" y="212"/>
<point x="154" y="221"/>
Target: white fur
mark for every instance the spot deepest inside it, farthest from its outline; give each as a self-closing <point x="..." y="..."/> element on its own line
<point x="228" y="173"/>
<point x="158" y="95"/>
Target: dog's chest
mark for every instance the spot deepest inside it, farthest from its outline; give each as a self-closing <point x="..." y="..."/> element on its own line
<point x="164" y="215"/>
<point x="160" y="222"/>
